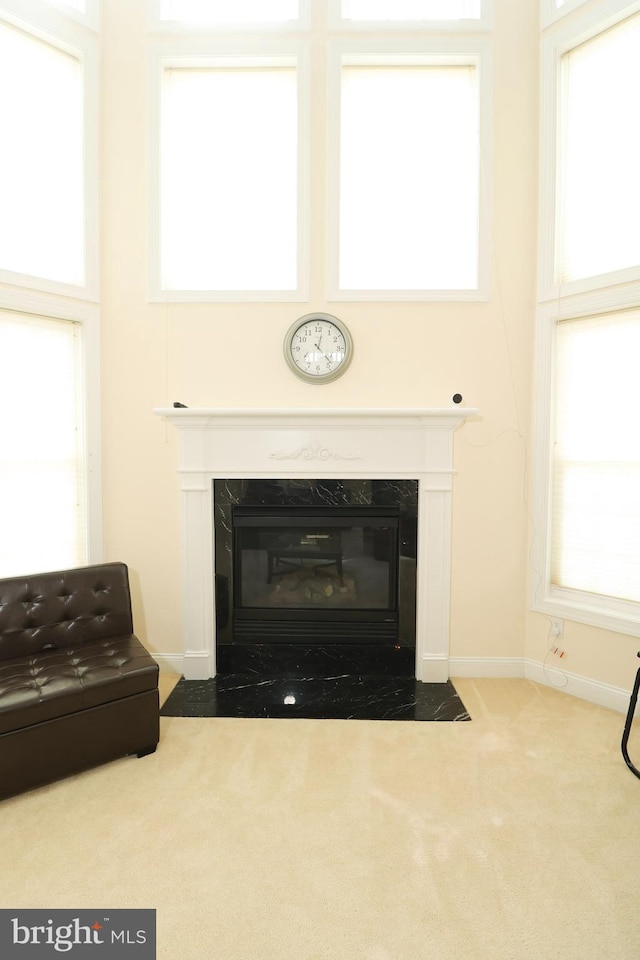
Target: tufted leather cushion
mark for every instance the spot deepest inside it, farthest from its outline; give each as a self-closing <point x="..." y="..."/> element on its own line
<point x="54" y="683"/>
<point x="64" y="609"/>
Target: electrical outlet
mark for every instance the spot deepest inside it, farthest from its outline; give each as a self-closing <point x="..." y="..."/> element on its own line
<point x="557" y="628"/>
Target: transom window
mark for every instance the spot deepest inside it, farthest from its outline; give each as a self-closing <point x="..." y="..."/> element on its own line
<point x="42" y="160"/>
<point x="229" y="177"/>
<point x="409" y="176"/>
<point x="599" y="207"/>
<point x="224" y="11"/>
<point x="79" y="5"/>
<point x="411" y="9"/>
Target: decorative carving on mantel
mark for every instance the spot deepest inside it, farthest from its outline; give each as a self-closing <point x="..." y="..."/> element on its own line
<point x="313" y="451"/>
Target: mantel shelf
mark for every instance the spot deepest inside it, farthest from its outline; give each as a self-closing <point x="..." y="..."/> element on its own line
<point x="280" y="414"/>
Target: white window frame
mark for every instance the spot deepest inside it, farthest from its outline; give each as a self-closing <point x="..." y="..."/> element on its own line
<point x="54" y="12"/>
<point x="190" y="54"/>
<point x="462" y="50"/>
<point x="556" y="43"/>
<point x="609" y="613"/>
<point x="337" y="22"/>
<point x="87" y="316"/>
<point x="72" y="38"/>
<point x="590" y="297"/>
<point x="90" y="17"/>
<point x="551" y="14"/>
<point x="158" y="25"/>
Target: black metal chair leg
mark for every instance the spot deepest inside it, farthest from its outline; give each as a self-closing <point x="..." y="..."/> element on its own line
<point x="627" y="727"/>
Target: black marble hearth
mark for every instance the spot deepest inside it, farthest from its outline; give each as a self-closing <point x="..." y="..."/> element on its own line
<point x="315" y="682"/>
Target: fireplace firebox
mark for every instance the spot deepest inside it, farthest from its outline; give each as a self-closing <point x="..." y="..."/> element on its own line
<point x="311" y="561"/>
<point x="303" y="572"/>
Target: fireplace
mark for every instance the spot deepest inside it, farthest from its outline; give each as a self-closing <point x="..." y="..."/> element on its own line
<point x="315" y="561"/>
<point x="336" y="447"/>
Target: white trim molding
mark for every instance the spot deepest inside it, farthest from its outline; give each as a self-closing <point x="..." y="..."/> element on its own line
<point x="602" y="694"/>
<point x="348" y="443"/>
<point x="551" y="13"/>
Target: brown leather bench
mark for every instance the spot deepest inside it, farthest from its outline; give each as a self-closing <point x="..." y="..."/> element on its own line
<point x="77" y="688"/>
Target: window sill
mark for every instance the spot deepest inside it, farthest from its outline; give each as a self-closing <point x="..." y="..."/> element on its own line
<point x="618" y="616"/>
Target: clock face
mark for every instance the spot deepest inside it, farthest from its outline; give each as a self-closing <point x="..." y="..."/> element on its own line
<point x="318" y="347"/>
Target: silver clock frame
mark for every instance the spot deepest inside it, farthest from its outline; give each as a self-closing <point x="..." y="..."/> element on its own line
<point x="341" y="367"/>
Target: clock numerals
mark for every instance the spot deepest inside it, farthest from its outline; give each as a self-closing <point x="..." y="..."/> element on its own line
<point x="318" y="348"/>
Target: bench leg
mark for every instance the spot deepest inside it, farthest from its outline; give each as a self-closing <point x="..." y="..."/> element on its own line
<point x="627" y="727"/>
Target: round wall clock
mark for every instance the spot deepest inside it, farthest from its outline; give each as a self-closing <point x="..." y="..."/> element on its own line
<point x="318" y="347"/>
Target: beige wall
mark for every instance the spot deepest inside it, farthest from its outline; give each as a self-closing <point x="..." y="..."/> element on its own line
<point x="154" y="354"/>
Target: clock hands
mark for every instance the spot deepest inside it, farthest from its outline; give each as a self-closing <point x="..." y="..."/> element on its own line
<point x="320" y="354"/>
<point x="317" y="345"/>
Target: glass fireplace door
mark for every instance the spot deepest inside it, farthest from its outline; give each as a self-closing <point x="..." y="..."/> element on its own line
<point x="315" y="565"/>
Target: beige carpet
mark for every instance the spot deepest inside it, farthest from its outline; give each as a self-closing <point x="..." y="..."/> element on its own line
<point x="514" y="836"/>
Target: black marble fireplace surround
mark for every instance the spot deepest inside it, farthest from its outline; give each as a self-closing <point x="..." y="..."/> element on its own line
<point x="351" y="605"/>
<point x="347" y="654"/>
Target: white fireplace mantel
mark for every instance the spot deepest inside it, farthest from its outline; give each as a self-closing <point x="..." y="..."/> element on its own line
<point x="406" y="444"/>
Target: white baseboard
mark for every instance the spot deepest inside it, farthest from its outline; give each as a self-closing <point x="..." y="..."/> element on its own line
<point x="584" y="688"/>
<point x="433" y="669"/>
<point x="603" y="694"/>
<point x="171" y="663"/>
<point x="486" y="667"/>
<point x="192" y="666"/>
<point x="573" y="684"/>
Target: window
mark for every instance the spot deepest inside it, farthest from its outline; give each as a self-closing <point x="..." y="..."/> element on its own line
<point x="591" y="152"/>
<point x="49" y="160"/>
<point x="230" y="179"/>
<point x="408" y="191"/>
<point x="224" y="11"/>
<point x="41" y="189"/>
<point x="596" y="466"/>
<point x="587" y="530"/>
<point x="554" y="9"/>
<point x="399" y="202"/>
<point x="79" y="5"/>
<point x="43" y="476"/>
<point x="86" y="12"/>
<point x="406" y="187"/>
<point x="600" y="189"/>
<point x="50" y="477"/>
<point x="411" y="9"/>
